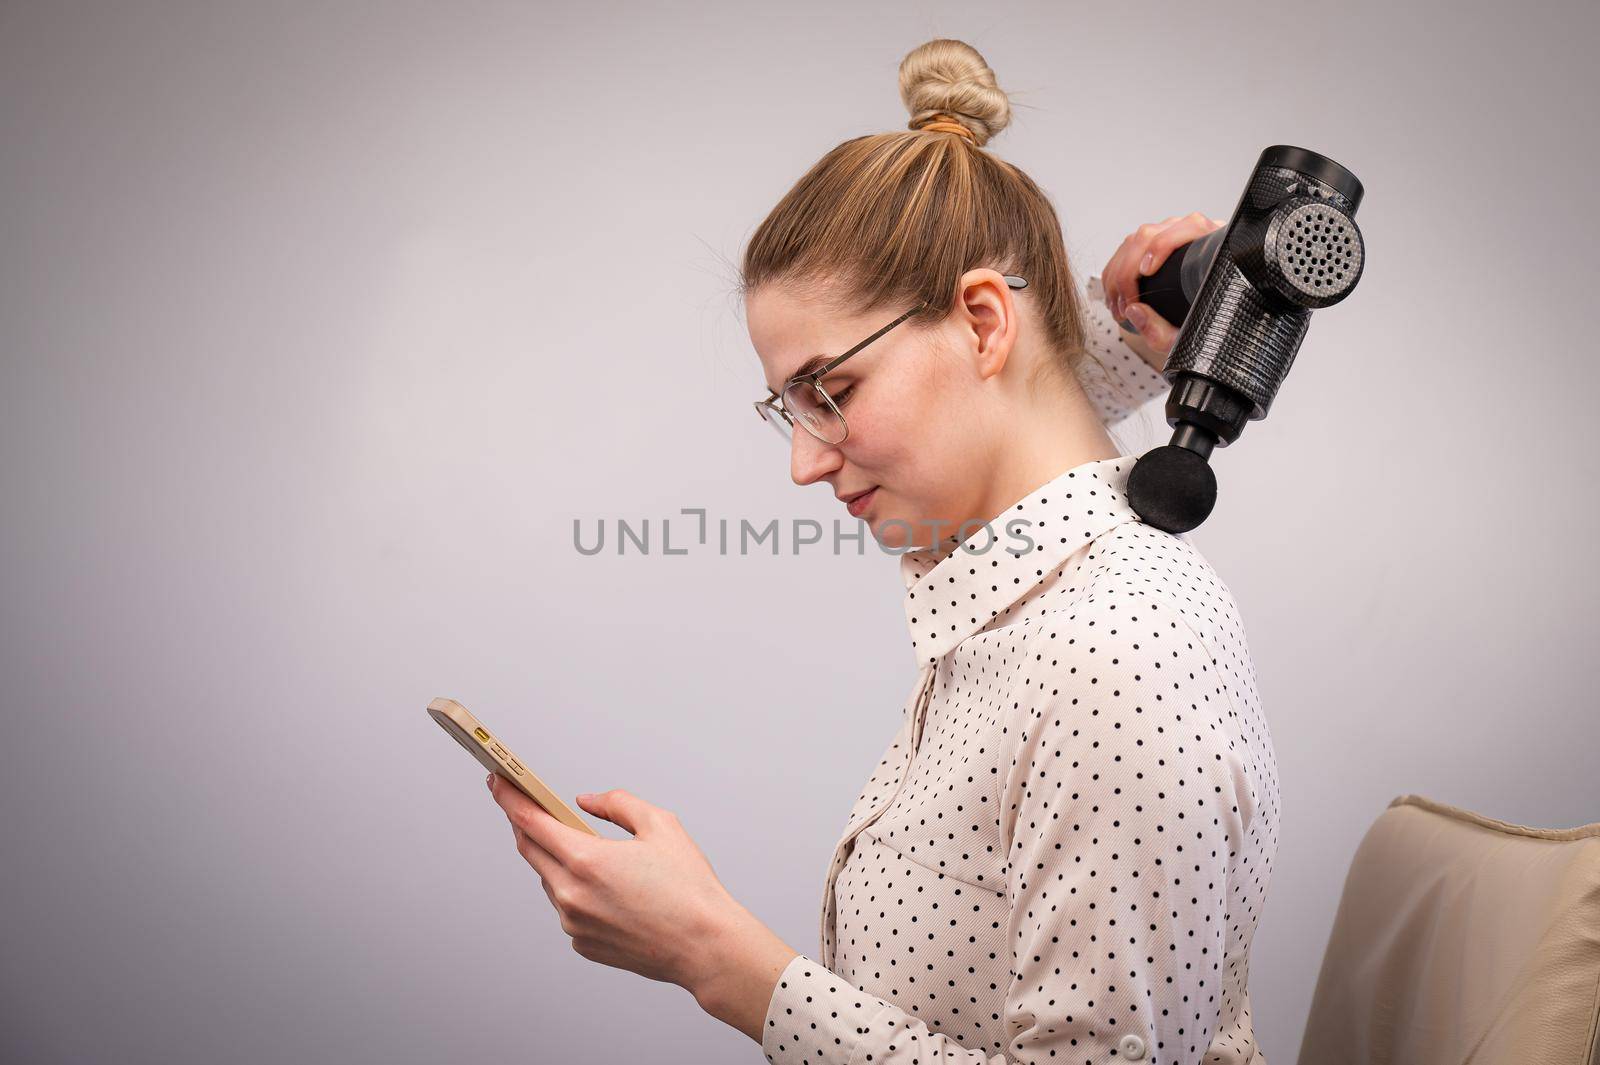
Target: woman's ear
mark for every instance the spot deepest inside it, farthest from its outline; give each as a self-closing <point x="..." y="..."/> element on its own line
<point x="987" y="316"/>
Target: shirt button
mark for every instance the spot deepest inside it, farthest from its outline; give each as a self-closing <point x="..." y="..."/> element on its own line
<point x="1131" y="1046"/>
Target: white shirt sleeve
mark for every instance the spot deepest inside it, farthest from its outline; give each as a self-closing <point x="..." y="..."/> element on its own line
<point x="1116" y="379"/>
<point x="1115" y="768"/>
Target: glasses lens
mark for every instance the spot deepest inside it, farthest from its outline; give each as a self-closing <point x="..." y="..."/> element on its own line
<point x="779" y="423"/>
<point x="807" y="405"/>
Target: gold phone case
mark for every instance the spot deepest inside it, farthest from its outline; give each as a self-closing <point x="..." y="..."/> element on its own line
<point x="497" y="758"/>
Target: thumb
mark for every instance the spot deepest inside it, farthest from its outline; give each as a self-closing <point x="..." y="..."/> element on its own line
<point x="1156" y="330"/>
<point x="617" y="806"/>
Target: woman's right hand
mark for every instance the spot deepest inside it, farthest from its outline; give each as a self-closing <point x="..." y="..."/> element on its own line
<point x="1141" y="254"/>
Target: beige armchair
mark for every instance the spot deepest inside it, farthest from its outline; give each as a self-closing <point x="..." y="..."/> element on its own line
<point x="1462" y="940"/>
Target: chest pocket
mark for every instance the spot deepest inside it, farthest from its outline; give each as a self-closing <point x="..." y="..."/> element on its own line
<point x="945" y="818"/>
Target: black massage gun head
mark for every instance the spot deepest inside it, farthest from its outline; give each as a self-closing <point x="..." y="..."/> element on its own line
<point x="1172" y="488"/>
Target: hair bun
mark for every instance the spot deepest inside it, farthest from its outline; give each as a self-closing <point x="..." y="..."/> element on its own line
<point x="949" y="77"/>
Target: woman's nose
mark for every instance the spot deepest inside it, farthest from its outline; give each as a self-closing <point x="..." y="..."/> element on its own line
<point x="810" y="458"/>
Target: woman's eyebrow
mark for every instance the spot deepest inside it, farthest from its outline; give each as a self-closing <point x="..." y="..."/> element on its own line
<point x="804" y="368"/>
<point x="810" y="364"/>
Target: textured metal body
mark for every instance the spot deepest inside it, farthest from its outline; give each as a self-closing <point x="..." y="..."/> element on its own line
<point x="1291" y="247"/>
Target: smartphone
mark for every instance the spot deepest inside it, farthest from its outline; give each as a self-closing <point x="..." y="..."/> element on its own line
<point x="497" y="758"/>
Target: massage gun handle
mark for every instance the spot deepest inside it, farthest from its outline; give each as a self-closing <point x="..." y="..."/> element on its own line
<point x="1170" y="291"/>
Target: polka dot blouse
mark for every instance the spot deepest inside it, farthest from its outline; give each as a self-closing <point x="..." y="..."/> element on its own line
<point x="1065" y="849"/>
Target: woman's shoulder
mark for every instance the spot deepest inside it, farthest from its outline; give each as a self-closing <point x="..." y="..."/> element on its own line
<point x="1144" y="669"/>
<point x="1135" y="562"/>
<point x="1145" y="604"/>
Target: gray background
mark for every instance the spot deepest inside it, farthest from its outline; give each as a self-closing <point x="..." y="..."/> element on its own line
<point x="322" y="323"/>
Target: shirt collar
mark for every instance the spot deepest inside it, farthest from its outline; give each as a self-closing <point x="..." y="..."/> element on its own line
<point x="955" y="589"/>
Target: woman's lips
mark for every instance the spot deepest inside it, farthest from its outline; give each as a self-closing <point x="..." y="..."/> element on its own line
<point x="861" y="502"/>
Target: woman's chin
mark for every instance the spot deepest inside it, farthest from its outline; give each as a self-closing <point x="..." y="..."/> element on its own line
<point x="891" y="534"/>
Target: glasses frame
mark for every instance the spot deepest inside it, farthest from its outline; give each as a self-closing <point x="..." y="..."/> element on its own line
<point x="774" y="401"/>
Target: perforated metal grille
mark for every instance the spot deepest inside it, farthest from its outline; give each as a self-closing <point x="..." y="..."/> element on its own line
<point x="1317" y="250"/>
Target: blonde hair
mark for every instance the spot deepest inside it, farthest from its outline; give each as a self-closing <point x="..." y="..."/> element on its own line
<point x="893" y="219"/>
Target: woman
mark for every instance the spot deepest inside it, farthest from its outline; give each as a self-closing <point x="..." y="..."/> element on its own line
<point x="1064" y="851"/>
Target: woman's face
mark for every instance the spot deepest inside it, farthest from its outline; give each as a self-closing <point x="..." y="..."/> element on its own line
<point x="926" y="407"/>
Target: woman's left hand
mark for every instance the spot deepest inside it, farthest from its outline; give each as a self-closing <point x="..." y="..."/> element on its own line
<point x="650" y="904"/>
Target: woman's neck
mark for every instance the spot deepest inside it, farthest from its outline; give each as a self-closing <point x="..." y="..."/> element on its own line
<point x="1045" y="441"/>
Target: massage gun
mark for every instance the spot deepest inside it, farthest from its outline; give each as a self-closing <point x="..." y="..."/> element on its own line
<point x="1242" y="297"/>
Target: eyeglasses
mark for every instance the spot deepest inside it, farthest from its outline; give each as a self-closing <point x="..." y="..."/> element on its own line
<point x="803" y="398"/>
